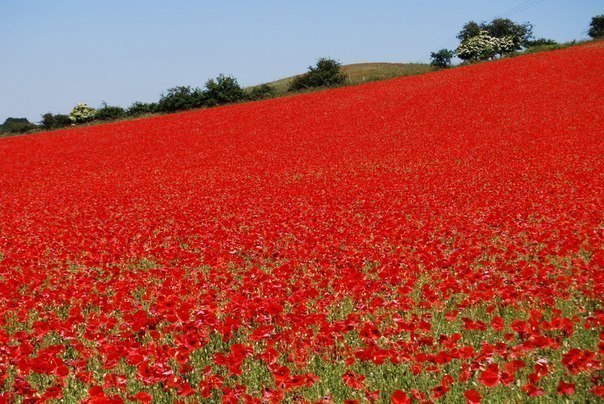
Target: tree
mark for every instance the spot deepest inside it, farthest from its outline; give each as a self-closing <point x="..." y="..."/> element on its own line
<point x="180" y="98"/>
<point x="512" y="36"/>
<point x="140" y="108"/>
<point x="442" y="58"/>
<point x="261" y="91"/>
<point x="223" y="90"/>
<point x="596" y="27"/>
<point x="326" y="73"/>
<point x="109" y="112"/>
<point x="470" y="30"/>
<point x="504" y="27"/>
<point x="50" y="121"/>
<point x="82" y="113"/>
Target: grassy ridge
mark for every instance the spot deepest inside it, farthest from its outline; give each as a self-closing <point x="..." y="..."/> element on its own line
<point x="359" y="73"/>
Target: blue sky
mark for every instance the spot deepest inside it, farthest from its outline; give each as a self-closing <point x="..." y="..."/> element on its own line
<point x="57" y="53"/>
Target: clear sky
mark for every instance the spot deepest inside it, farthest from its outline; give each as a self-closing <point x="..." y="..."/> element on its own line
<point x="56" y="53"/>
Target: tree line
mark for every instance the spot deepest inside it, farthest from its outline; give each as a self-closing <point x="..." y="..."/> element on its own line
<point x="219" y="91"/>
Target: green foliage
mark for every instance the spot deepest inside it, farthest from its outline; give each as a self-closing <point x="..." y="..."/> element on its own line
<point x="50" y="121"/>
<point x="261" y="91"/>
<point x="109" y="112"/>
<point x="540" y="42"/>
<point x="596" y="27"/>
<point x="326" y="73"/>
<point x="17" y="125"/>
<point x="442" y="58"/>
<point x="470" y="30"/>
<point x="542" y="48"/>
<point x="180" y="98"/>
<point x="141" y="108"/>
<point x="223" y="90"/>
<point x="504" y="27"/>
<point x="510" y="37"/>
<point x="82" y="113"/>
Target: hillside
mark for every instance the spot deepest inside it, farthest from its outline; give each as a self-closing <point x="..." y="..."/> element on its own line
<point x="437" y="236"/>
<point x="365" y="72"/>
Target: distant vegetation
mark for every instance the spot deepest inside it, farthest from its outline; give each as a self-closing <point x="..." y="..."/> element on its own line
<point x="82" y="113"/>
<point x="50" y="121"/>
<point x="478" y="41"/>
<point x="596" y="27"/>
<point x="499" y="38"/>
<point x="442" y="58"/>
<point x="16" y="125"/>
<point x="326" y="73"/>
<point x="359" y="73"/>
<point x="109" y="112"/>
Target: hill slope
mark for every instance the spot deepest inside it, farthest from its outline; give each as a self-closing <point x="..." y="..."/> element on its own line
<point x="436" y="235"/>
<point x="365" y="72"/>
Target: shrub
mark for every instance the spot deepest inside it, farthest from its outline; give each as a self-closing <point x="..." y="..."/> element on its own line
<point x="223" y="90"/>
<point x="542" y="48"/>
<point x="540" y="42"/>
<point x="17" y="125"/>
<point x="50" y="121"/>
<point x="141" y="108"/>
<point x="180" y="98"/>
<point x="442" y="58"/>
<point x="109" y="112"/>
<point x="596" y="27"/>
<point x="326" y="73"/>
<point x="512" y="37"/>
<point x="82" y="113"/>
<point x="261" y="91"/>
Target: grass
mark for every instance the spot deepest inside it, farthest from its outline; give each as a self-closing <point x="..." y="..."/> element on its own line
<point x="359" y="73"/>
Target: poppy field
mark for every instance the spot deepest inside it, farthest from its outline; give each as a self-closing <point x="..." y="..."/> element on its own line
<point x="436" y="238"/>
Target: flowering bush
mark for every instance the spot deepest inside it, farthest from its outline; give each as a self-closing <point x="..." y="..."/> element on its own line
<point x="82" y="113"/>
<point x="483" y="47"/>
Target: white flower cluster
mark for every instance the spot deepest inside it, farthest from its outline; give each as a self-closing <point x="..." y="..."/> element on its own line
<point x="483" y="46"/>
<point x="82" y="113"/>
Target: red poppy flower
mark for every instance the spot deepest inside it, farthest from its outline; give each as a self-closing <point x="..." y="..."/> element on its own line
<point x="490" y="377"/>
<point x="472" y="396"/>
<point x="400" y="397"/>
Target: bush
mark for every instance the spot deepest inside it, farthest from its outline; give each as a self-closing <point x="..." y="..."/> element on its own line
<point x="223" y="90"/>
<point x="542" y="48"/>
<point x="141" y="108"/>
<point x="180" y="98"/>
<point x="596" y="27"/>
<point x="261" y="91"/>
<point x="326" y="73"/>
<point x="50" y="121"/>
<point x="442" y="58"/>
<point x="109" y="112"/>
<point x="540" y="42"/>
<point x="82" y="113"/>
<point x="17" y="125"/>
<point x="484" y="47"/>
<point x="510" y="35"/>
